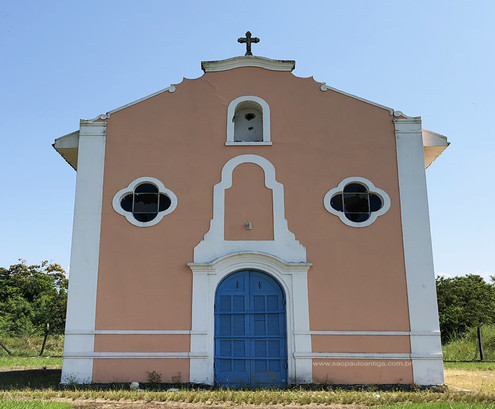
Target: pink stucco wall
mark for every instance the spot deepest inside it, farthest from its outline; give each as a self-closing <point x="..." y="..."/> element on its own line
<point x="357" y="281"/>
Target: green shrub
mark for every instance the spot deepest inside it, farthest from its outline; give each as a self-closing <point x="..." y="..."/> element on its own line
<point x="31" y="297"/>
<point x="464" y="302"/>
<point x="466" y="346"/>
<point x="30" y="345"/>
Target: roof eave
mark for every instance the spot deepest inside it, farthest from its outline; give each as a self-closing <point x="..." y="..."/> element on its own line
<point x="68" y="147"/>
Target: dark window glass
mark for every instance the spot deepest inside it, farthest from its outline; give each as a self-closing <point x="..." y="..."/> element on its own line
<point x="145" y="203"/>
<point x="164" y="203"/>
<point x="146" y="188"/>
<point x="355" y="188"/>
<point x="357" y="217"/>
<point x="375" y="202"/>
<point x="336" y="202"/>
<point x="356" y="203"/>
<point x="144" y="217"/>
<point x="126" y="203"/>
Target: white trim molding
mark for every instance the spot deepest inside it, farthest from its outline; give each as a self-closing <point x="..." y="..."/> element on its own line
<point x="130" y="189"/>
<point x="292" y="277"/>
<point x="170" y="89"/>
<point x="371" y="189"/>
<point x="371" y="355"/>
<point x="248" y="61"/>
<point x="420" y="277"/>
<point x="131" y="355"/>
<point x="375" y="333"/>
<point x="284" y="245"/>
<point x="132" y="332"/>
<point x="238" y="103"/>
<point x="324" y="87"/>
<point x="81" y="307"/>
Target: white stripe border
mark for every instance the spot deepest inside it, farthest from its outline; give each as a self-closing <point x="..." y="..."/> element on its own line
<point x="365" y="355"/>
<point x="189" y="332"/>
<point x="141" y="355"/>
<point x="407" y="333"/>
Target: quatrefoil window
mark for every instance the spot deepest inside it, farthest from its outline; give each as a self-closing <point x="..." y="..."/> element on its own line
<point x="144" y="202"/>
<point x="357" y="202"/>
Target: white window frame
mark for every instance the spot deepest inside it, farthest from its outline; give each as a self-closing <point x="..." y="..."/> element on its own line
<point x="265" y="113"/>
<point x="371" y="189"/>
<point x="130" y="189"/>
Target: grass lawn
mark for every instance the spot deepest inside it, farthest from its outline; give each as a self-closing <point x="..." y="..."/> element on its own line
<point x="440" y="405"/>
<point x="30" y="345"/>
<point x="471" y="385"/>
<point x="26" y="362"/>
<point x="466" y="386"/>
<point x="465" y="347"/>
<point x="33" y="404"/>
<point x="474" y="366"/>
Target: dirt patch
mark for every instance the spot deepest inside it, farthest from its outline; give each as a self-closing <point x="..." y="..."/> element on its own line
<point x="465" y="379"/>
<point x="105" y="404"/>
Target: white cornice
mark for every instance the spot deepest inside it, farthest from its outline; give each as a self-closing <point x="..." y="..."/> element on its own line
<point x="325" y="87"/>
<point x="170" y="89"/>
<point x="248" y="61"/>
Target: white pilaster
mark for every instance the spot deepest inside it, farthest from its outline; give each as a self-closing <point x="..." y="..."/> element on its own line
<point x="84" y="254"/>
<point x="421" y="291"/>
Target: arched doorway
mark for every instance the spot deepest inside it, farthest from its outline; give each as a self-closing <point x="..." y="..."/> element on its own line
<point x="250" y="331"/>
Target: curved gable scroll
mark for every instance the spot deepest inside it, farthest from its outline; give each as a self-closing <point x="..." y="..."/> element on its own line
<point x="284" y="244"/>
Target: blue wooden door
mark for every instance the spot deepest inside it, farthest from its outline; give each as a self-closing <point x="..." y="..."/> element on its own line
<point x="250" y="331"/>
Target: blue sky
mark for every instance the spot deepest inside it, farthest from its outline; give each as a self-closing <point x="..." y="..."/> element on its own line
<point x="66" y="60"/>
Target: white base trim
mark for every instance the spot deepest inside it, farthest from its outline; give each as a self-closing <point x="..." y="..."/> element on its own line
<point x="428" y="372"/>
<point x="77" y="370"/>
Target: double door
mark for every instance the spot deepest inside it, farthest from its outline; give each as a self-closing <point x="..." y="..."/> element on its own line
<point x="250" y="331"/>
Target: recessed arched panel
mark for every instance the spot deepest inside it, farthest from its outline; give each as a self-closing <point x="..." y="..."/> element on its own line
<point x="250" y="331"/>
<point x="284" y="243"/>
<point x="248" y="201"/>
<point x="248" y="121"/>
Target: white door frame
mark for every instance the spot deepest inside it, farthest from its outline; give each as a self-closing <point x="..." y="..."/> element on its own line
<point x="292" y="278"/>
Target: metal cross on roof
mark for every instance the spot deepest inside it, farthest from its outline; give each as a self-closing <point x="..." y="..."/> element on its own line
<point x="248" y="40"/>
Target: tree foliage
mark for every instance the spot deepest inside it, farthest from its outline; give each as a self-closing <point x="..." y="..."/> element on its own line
<point x="463" y="303"/>
<point x="31" y="297"/>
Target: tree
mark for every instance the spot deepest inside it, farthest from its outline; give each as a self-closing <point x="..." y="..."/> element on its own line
<point x="31" y="297"/>
<point x="463" y="303"/>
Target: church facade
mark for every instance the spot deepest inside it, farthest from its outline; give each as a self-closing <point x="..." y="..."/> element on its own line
<point x="252" y="228"/>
